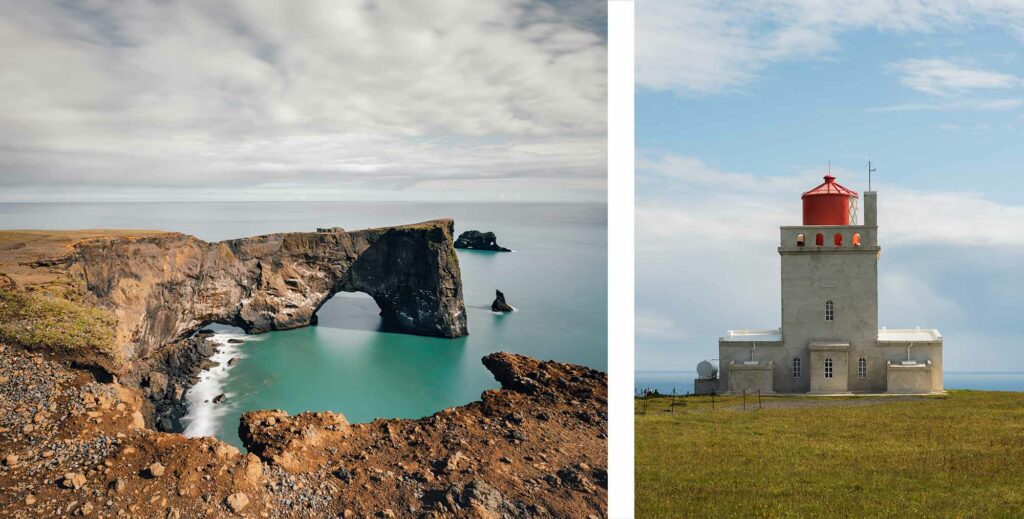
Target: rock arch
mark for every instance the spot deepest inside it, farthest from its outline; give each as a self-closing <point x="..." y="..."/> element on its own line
<point x="165" y="286"/>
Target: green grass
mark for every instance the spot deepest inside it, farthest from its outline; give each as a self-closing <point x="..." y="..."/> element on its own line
<point x="959" y="456"/>
<point x="39" y="321"/>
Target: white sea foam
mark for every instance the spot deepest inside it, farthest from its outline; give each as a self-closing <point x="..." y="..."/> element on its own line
<point x="203" y="417"/>
<point x="514" y="309"/>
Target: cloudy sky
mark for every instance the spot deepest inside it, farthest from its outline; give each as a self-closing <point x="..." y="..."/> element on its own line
<point x="740" y="106"/>
<point x="379" y="100"/>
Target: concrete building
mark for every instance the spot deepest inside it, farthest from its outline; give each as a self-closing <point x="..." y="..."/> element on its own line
<point x="829" y="342"/>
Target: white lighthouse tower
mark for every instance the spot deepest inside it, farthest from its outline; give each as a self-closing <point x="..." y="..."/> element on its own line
<point x="829" y="341"/>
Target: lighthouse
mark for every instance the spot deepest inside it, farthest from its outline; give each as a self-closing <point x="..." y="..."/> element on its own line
<point x="829" y="341"/>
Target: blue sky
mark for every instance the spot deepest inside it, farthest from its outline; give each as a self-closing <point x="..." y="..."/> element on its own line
<point x="740" y="106"/>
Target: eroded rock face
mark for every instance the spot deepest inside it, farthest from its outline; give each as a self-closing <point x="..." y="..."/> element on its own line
<point x="165" y="286"/>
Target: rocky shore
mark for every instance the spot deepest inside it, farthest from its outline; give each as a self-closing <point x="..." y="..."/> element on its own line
<point x="97" y="352"/>
<point x="72" y="445"/>
<point x="166" y="376"/>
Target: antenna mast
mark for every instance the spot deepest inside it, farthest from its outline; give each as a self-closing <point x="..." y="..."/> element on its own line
<point x="870" y="171"/>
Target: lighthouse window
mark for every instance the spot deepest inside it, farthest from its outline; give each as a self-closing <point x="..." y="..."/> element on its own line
<point x="819" y="240"/>
<point x="800" y="240"/>
<point x="796" y="367"/>
<point x="828" y="368"/>
<point x="856" y="239"/>
<point x="862" y="368"/>
<point x="837" y="239"/>
<point x="830" y="313"/>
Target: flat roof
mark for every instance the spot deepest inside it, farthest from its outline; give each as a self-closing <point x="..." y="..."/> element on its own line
<point x="909" y="335"/>
<point x="748" y="335"/>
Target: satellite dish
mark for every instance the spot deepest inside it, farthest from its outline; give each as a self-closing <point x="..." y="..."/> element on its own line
<point x="706" y="370"/>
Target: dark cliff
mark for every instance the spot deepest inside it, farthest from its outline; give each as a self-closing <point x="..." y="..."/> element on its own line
<point x="163" y="287"/>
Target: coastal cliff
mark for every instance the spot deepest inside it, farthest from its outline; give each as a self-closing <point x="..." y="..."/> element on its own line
<point x="161" y="287"/>
<point x="97" y="350"/>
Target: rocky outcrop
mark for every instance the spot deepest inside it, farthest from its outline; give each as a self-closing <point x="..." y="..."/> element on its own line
<point x="165" y="376"/>
<point x="499" y="304"/>
<point x="537" y="447"/>
<point x="163" y="286"/>
<point x="479" y="241"/>
<point x="508" y="455"/>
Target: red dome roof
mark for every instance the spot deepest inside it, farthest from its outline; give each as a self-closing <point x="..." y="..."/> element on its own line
<point x="830" y="187"/>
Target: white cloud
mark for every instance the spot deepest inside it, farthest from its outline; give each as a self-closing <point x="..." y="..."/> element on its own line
<point x="954" y="105"/>
<point x="654" y="325"/>
<point x="758" y="205"/>
<point x="348" y="95"/>
<point x="711" y="46"/>
<point x="940" y="77"/>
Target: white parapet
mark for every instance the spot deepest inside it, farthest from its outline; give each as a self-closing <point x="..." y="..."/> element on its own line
<point x="752" y="335"/>
<point x="909" y="335"/>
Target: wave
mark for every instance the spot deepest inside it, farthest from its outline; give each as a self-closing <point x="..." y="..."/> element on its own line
<point x="204" y="417"/>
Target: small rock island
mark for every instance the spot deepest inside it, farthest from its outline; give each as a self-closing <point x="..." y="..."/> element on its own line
<point x="499" y="304"/>
<point x="477" y="240"/>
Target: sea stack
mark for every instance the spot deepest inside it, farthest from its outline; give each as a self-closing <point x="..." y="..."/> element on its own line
<point x="499" y="304"/>
<point x="477" y="240"/>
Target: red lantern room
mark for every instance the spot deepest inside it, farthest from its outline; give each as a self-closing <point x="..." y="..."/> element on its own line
<point x="829" y="204"/>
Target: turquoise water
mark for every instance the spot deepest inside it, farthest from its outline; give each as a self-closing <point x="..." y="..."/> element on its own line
<point x="556" y="279"/>
<point x="682" y="381"/>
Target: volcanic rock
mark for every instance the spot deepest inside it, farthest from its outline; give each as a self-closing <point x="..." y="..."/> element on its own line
<point x="165" y="286"/>
<point x="479" y="241"/>
<point x="499" y="304"/>
<point x="237" y="502"/>
<point x="310" y="464"/>
<point x="156" y="470"/>
<point x="75" y="480"/>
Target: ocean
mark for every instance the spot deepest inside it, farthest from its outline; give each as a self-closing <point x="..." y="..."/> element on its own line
<point x="682" y="381"/>
<point x="556" y="279"/>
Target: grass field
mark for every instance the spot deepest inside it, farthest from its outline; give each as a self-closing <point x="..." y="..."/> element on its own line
<point x="955" y="456"/>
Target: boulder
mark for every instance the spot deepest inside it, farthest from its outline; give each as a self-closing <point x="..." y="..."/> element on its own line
<point x="157" y="384"/>
<point x="237" y="502"/>
<point x="75" y="480"/>
<point x="156" y="470"/>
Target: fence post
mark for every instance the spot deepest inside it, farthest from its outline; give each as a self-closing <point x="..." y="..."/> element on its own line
<point x="758" y="398"/>
<point x="672" y="407"/>
<point x="712" y="402"/>
<point x="744" y="399"/>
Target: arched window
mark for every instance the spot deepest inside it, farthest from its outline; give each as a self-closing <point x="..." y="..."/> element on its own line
<point x="828" y="367"/>
<point x="819" y="240"/>
<point x="796" y="367"/>
<point x="830" y="311"/>
<point x="800" y="240"/>
<point x="837" y="239"/>
<point x="862" y="368"/>
<point x="856" y="239"/>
